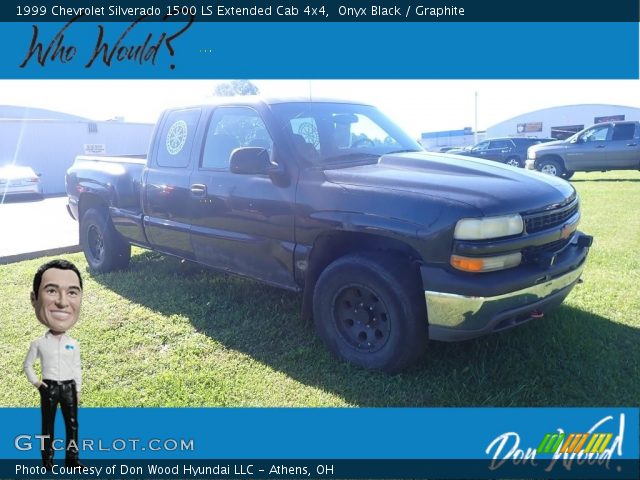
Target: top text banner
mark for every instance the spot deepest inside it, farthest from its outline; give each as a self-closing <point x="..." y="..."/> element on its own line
<point x="191" y="49"/>
<point x="321" y="11"/>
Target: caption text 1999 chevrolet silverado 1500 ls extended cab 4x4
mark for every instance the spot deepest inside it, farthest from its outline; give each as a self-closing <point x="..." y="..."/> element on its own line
<point x="390" y="245"/>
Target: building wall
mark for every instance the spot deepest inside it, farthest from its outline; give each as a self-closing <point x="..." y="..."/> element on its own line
<point x="50" y="146"/>
<point x="560" y="122"/>
<point x="434" y="141"/>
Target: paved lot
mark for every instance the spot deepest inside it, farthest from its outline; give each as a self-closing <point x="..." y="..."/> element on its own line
<point x="33" y="228"/>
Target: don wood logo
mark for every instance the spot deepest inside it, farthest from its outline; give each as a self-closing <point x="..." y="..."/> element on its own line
<point x="574" y="443"/>
<point x="595" y="446"/>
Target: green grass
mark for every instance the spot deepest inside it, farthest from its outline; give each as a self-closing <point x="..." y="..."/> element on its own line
<point x="169" y="334"/>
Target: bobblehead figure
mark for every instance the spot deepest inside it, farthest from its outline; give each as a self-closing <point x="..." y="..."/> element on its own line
<point x="56" y="298"/>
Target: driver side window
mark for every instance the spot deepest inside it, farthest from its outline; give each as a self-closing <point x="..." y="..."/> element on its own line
<point x="231" y="128"/>
<point x="596" y="134"/>
<point x="481" y="146"/>
<point x="495" y="144"/>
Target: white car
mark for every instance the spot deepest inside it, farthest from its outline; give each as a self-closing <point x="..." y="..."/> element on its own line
<point x="19" y="180"/>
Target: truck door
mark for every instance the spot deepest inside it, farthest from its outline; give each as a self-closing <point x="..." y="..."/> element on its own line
<point x="241" y="223"/>
<point x="167" y="184"/>
<point x="623" y="151"/>
<point x="499" y="150"/>
<point x="589" y="151"/>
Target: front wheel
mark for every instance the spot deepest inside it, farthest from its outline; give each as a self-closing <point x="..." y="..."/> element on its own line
<point x="370" y="312"/>
<point x="551" y="167"/>
<point x="104" y="249"/>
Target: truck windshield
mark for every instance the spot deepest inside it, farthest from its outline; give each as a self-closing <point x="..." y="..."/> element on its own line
<point x="333" y="134"/>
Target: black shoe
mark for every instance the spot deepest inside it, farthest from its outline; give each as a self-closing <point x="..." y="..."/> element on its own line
<point x="73" y="463"/>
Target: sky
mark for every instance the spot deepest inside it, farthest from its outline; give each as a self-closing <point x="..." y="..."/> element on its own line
<point x="416" y="105"/>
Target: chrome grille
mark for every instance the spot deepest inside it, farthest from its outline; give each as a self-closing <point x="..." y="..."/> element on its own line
<point x="548" y="247"/>
<point x="536" y="254"/>
<point x="538" y="221"/>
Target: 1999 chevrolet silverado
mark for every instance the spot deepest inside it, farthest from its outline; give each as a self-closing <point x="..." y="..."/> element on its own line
<point x="389" y="245"/>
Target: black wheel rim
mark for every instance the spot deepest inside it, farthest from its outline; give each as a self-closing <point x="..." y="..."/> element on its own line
<point x="362" y="318"/>
<point x="95" y="243"/>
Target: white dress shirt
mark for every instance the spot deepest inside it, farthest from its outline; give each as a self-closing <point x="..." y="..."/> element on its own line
<point x="59" y="359"/>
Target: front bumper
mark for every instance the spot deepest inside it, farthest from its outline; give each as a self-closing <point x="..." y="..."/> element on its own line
<point x="504" y="300"/>
<point x="530" y="164"/>
<point x="72" y="208"/>
<point x="29" y="189"/>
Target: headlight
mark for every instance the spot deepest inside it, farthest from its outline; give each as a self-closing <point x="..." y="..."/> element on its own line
<point x="488" y="227"/>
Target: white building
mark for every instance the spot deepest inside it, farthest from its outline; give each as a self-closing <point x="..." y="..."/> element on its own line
<point x="49" y="141"/>
<point x="561" y="122"/>
<point x="435" y="141"/>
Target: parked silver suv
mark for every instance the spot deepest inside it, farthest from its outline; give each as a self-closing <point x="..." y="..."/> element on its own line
<point x="601" y="147"/>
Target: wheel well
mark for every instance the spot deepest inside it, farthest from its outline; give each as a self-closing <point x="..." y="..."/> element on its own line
<point x="332" y="246"/>
<point x="88" y="201"/>
<point x="553" y="157"/>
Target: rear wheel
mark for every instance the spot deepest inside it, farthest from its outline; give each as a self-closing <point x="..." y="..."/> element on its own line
<point x="370" y="311"/>
<point x="104" y="249"/>
<point x="514" y="162"/>
<point x="551" y="167"/>
<point x="568" y="174"/>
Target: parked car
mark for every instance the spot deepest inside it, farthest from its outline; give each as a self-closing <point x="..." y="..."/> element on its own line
<point x="389" y="245"/>
<point x="19" y="180"/>
<point x="601" y="147"/>
<point x="509" y="150"/>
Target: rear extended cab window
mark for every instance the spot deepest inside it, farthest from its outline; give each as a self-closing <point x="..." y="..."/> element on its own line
<point x="176" y="138"/>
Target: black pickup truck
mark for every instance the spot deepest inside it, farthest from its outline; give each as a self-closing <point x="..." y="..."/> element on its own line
<point x="389" y="245"/>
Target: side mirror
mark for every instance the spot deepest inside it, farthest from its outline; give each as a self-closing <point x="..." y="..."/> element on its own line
<point x="251" y="161"/>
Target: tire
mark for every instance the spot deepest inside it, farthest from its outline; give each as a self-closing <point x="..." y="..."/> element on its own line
<point x="551" y="167"/>
<point x="568" y="174"/>
<point x="514" y="162"/>
<point x="103" y="247"/>
<point x="370" y="311"/>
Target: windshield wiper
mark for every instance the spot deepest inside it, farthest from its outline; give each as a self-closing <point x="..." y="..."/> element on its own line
<point x="349" y="157"/>
<point x="406" y="150"/>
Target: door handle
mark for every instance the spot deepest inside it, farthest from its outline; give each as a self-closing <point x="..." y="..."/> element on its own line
<point x="632" y="144"/>
<point x="199" y="189"/>
<point x="600" y="146"/>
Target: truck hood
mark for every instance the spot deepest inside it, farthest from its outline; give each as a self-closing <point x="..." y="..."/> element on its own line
<point x="555" y="145"/>
<point x="493" y="188"/>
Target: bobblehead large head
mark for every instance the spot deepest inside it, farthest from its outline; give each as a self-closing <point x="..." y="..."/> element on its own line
<point x="58" y="299"/>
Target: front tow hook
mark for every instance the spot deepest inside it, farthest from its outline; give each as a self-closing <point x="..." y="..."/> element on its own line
<point x="585" y="241"/>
